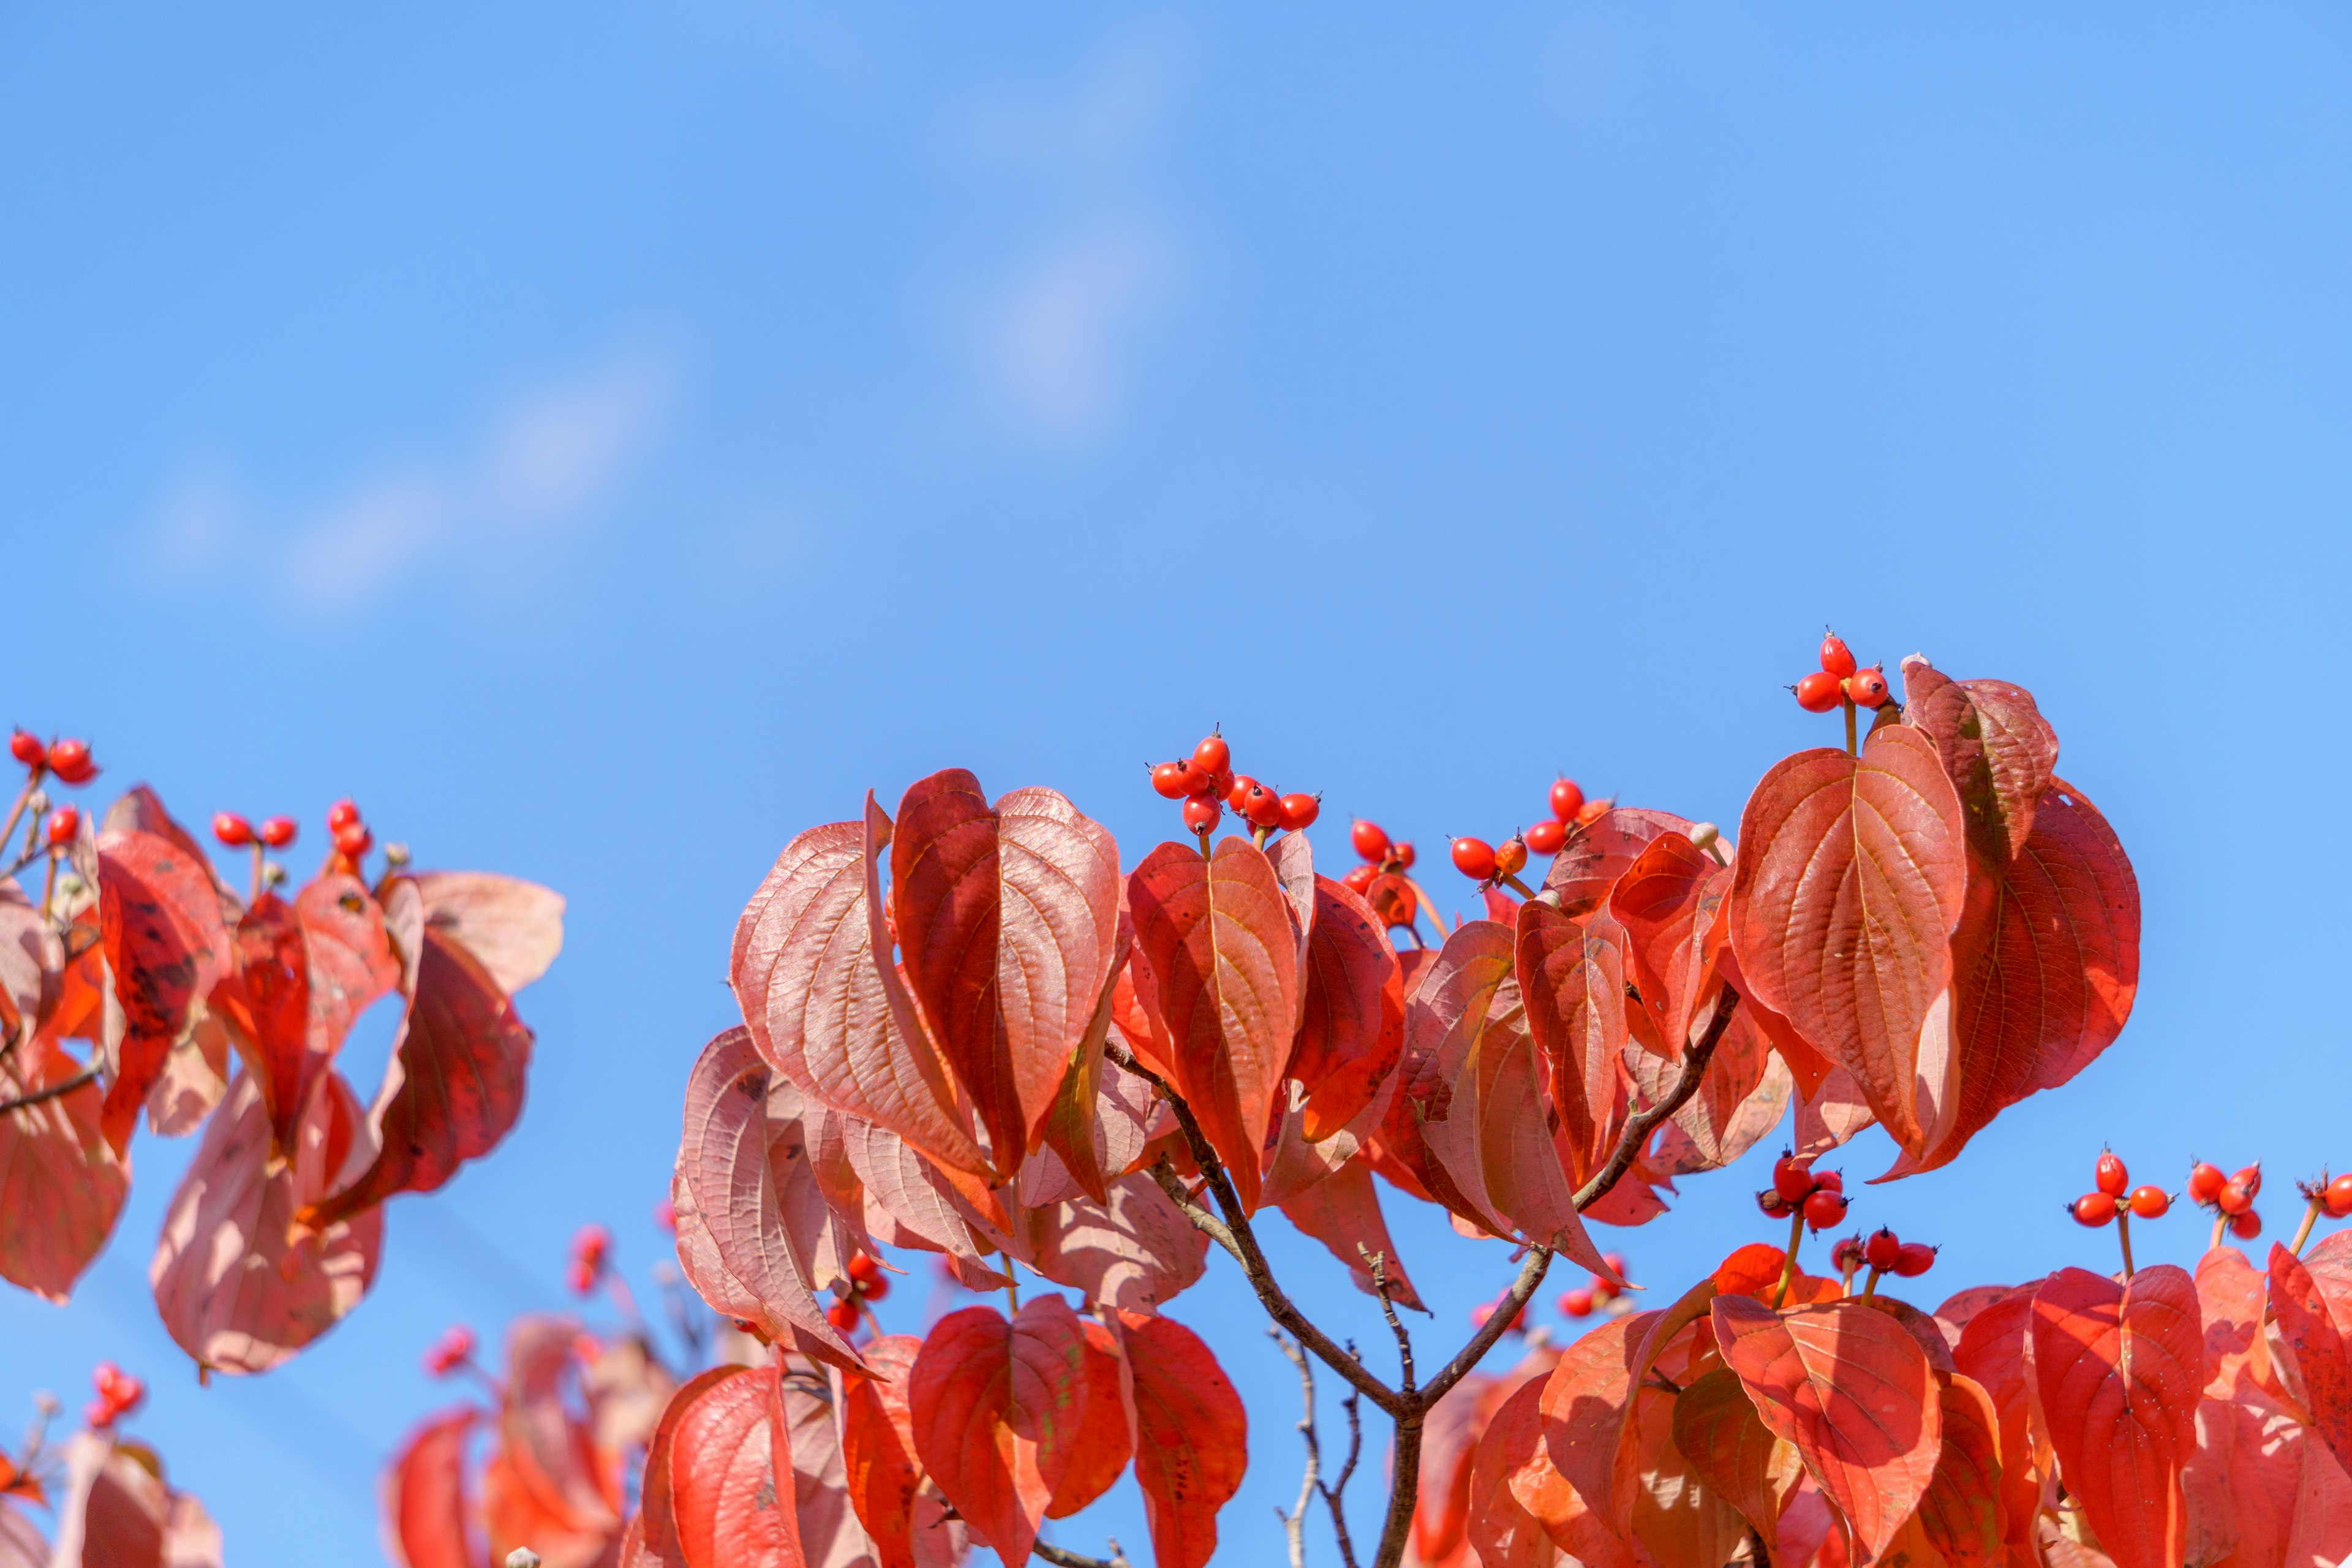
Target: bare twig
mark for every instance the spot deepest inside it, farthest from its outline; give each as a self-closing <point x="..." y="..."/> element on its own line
<point x="1378" y="1262"/>
<point x="1062" y="1559"/>
<point x="1293" y="1523"/>
<point x="1637" y="1131"/>
<point x="1404" y="1490"/>
<point x="55" y="1091"/>
<point x="1497" y="1323"/>
<point x="1353" y="1406"/>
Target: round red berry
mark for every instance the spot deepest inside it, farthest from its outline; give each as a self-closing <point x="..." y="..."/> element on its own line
<point x="1262" y="805"/>
<point x="2150" y="1203"/>
<point x="1837" y="659"/>
<point x="864" y="1268"/>
<point x="232" y="829"/>
<point x="69" y="760"/>
<point x="1867" y="687"/>
<point x="1818" y="692"/>
<point x="873" y="1289"/>
<point x="1825" y="1210"/>
<point x="2234" y="1199"/>
<point x="1403" y="855"/>
<point x="1883" y="1249"/>
<point x="27" y="748"/>
<point x="2205" y="1183"/>
<point x="1474" y="858"/>
<point x="2251" y="1178"/>
<point x="843" y="1315"/>
<point x="1173" y="780"/>
<point x="1510" y="855"/>
<point x="2337" y="1197"/>
<point x="1299" y="812"/>
<point x="1616" y="1261"/>
<point x="1212" y="754"/>
<point x="342" y="814"/>
<point x="1829" y="1179"/>
<point x="276" y="832"/>
<point x="1914" y="1258"/>
<point x="1236" y="793"/>
<point x="1201" y="813"/>
<point x="2246" y="1226"/>
<point x="65" y="826"/>
<point x="1371" y="842"/>
<point x="2094" y="1209"/>
<point x="1547" y="837"/>
<point x="1567" y="799"/>
<point x="2113" y="1179"/>
<point x="1792" y="1177"/>
<point x="354" y="841"/>
<point x="1576" y="1303"/>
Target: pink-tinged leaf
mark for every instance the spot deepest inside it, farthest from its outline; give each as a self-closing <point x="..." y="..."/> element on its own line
<point x="116" y="1511"/>
<point x="193" y="1081"/>
<point x="515" y="927"/>
<point x="818" y="1005"/>
<point x="1584" y="1412"/>
<point x="1486" y="1119"/>
<point x="1343" y="1213"/>
<point x="877" y="1448"/>
<point x="1134" y="1253"/>
<point x="1668" y="900"/>
<point x="242" y="1284"/>
<point x="2330" y="1262"/>
<point x="1961" y="1308"/>
<point x="730" y="1476"/>
<point x="2117" y="1369"/>
<point x="997" y="1409"/>
<point x="1851" y="1388"/>
<point x="1007" y="919"/>
<point x="1998" y="749"/>
<point x="1106" y="1440"/>
<point x="929" y="1209"/>
<point x="454" y="1086"/>
<point x="553" y="1479"/>
<point x="1833" y="1116"/>
<point x="1215" y="939"/>
<point x="1734" y="1454"/>
<point x="1571" y="976"/>
<point x="1351" y="1032"/>
<point x="1961" y="1513"/>
<point x="1093" y="1129"/>
<point x="165" y="944"/>
<point x="1743" y="1095"/>
<point x="1991" y="1353"/>
<point x="652" y="1539"/>
<point x="1851" y="876"/>
<point x="1599" y="852"/>
<point x="28" y="956"/>
<point x="61" y="1183"/>
<point x="831" y="1535"/>
<point x="1521" y="1512"/>
<point x="2245" y="1483"/>
<point x="724" y="1162"/>
<point x="1191" y="1437"/>
<point x="426" y="1514"/>
<point x="2309" y="1329"/>
<point x="2233" y="1304"/>
<point x="21" y="1546"/>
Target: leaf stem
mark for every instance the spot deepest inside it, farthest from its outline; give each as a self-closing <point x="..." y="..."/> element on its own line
<point x="1789" y="1269"/>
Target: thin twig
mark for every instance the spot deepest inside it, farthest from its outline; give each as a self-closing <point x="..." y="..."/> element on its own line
<point x="1637" y="1131"/>
<point x="41" y="1096"/>
<point x="1062" y="1559"/>
<point x="1497" y="1323"/>
<point x="1353" y="1406"/>
<point x="1378" y="1262"/>
<point x="1293" y="1523"/>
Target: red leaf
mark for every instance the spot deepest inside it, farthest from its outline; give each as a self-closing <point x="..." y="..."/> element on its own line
<point x="61" y="1183"/>
<point x="730" y="1476"/>
<point x="1517" y="1499"/>
<point x="1007" y="919"/>
<point x="1571" y="977"/>
<point x="1851" y="877"/>
<point x="877" y="1448"/>
<point x="1962" y="1307"/>
<point x="1104" y="1443"/>
<point x="932" y="1207"/>
<point x="1598" y="853"/>
<point x="426" y="1512"/>
<point x="817" y="1003"/>
<point x="1343" y="1213"/>
<point x="2118" y="1369"/>
<point x="1351" y="1032"/>
<point x="1135" y="1252"/>
<point x="1991" y="1353"/>
<point x="831" y="1535"/>
<point x="515" y="927"/>
<point x="1734" y="1454"/>
<point x="2310" y="1329"/>
<point x="1743" y="1095"/>
<point x="454" y="1086"/>
<point x="1485" y="1121"/>
<point x="1668" y="900"/>
<point x="1678" y="1518"/>
<point x="555" y="1480"/>
<point x="1191" y="1437"/>
<point x="1214" y="939"/>
<point x="2234" y="1305"/>
<point x="1998" y="749"/>
<point x="998" y="1408"/>
<point x="1584" y="1412"/>
<point x="1852" y="1390"/>
<point x="241" y="1284"/>
<point x="652" y="1539"/>
<point x="165" y="945"/>
<point x="1961" y="1511"/>
<point x="117" y="1511"/>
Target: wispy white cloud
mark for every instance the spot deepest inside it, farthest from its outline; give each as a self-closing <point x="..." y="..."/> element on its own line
<point x="1062" y="334"/>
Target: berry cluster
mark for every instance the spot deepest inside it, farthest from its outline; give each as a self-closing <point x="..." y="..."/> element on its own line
<point x="1797" y="1187"/>
<point x="2332" y="1198"/>
<point x="2230" y="1199"/>
<point x="452" y="1350"/>
<point x="591" y="1254"/>
<point x="69" y="761"/>
<point x="868" y="1283"/>
<point x="1839" y="684"/>
<point x="1381" y="880"/>
<point x="276" y="832"/>
<point x="1486" y="863"/>
<point x="1884" y="1253"/>
<point x="118" y="1394"/>
<point x="2112" y="1195"/>
<point x="352" y="839"/>
<point x="1586" y="1299"/>
<point x="1205" y="782"/>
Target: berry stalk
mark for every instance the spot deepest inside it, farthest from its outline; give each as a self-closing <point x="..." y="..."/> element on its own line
<point x="2302" y="1232"/>
<point x="1789" y="1269"/>
<point x="2123" y="1233"/>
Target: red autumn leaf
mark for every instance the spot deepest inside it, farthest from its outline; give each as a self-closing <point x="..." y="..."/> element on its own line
<point x="1513" y="1486"/>
<point x="817" y="1002"/>
<point x="877" y="1447"/>
<point x="998" y="1408"/>
<point x="1094" y="1129"/>
<point x="1995" y="745"/>
<point x="1678" y="1519"/>
<point x="1343" y="1213"/>
<point x="454" y="1086"/>
<point x="1668" y="900"/>
<point x="1850" y="878"/>
<point x="1743" y="1095"/>
<point x="61" y="1183"/>
<point x="1958" y="1309"/>
<point x="1104" y="1442"/>
<point x="831" y="1535"/>
<point x="1006" y="917"/>
<point x="1191" y="1437"/>
<point x="1584" y="1403"/>
<point x="1734" y="1454"/>
<point x="117" y="1511"/>
<point x="553" y="1481"/>
<point x="730" y="1476"/>
<point x="933" y="1208"/>
<point x="1756" y="1270"/>
<point x="2233" y="1304"/>
<point x="2118" y="1368"/>
<point x="723" y="1161"/>
<point x="1961" y="1513"/>
<point x="515" y="927"/>
<point x="241" y="1284"/>
<point x="165" y="944"/>
<point x="1852" y="1390"/>
<point x="652" y="1539"/>
<point x="1136" y="1252"/>
<point x="1571" y="976"/>
<point x="426" y="1512"/>
<point x="1215" y="942"/>
<point x="2309" y="1326"/>
<point x="1991" y="1354"/>
<point x="1351" y="1031"/>
<point x="1485" y="1120"/>
<point x="1599" y="852"/>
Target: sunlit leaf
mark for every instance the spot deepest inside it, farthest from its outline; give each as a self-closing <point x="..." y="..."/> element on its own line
<point x="1993" y="743"/>
<point x="61" y="1183"/>
<point x="997" y="1409"/>
<point x="1191" y="1437"/>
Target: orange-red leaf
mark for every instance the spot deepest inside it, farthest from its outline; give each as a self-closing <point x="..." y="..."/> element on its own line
<point x="877" y="1448"/>
<point x="1599" y="851"/>
<point x="1851" y="876"/>
<point x="1571" y="976"/>
<point x="2310" y="1329"/>
<point x="1733" y="1451"/>
<point x="427" y="1518"/>
<point x="61" y="1183"/>
<point x="1191" y="1437"/>
<point x="1852" y="1390"/>
<point x="160" y="919"/>
<point x="1998" y="749"/>
<point x="2233" y="1304"/>
<point x="1136" y="1251"/>
<point x="1343" y="1213"/>
<point x="1105" y="1440"/>
<point x="730" y="1476"/>
<point x="1584" y="1406"/>
<point x="1352" y="1030"/>
<point x="1991" y="1354"/>
<point x="998" y="1408"/>
<point x="2117" y="1369"/>
<point x="1513" y="1485"/>
<point x="1961" y="1513"/>
<point x="1668" y="900"/>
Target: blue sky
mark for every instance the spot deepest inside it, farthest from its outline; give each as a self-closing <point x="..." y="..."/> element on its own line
<point x="608" y="439"/>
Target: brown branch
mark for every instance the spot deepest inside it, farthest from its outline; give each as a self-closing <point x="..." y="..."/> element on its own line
<point x="1498" y="1324"/>
<point x="1293" y="1523"/>
<point x="1377" y="1263"/>
<point x="1353" y="1406"/>
<point x="1062" y="1559"/>
<point x="1404" y="1491"/>
<point x="1637" y="1131"/>
<point x="53" y="1091"/>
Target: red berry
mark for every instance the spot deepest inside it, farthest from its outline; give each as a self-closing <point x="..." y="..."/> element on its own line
<point x="2094" y="1209"/>
<point x="1403" y="856"/>
<point x="1480" y="1313"/>
<point x="1792" y="1177"/>
<point x="1837" y="659"/>
<point x="1510" y="855"/>
<point x="1300" y="811"/>
<point x="1846" y="1255"/>
<point x="1577" y="1303"/>
<point x="65" y="825"/>
<point x="2150" y="1203"/>
<point x="1371" y="842"/>
<point x="278" y="832"/>
<point x="666" y="1216"/>
<point x="2234" y="1199"/>
<point x="1474" y="858"/>
<point x="1867" y="687"/>
<point x="1173" y="780"/>
<point x="873" y="1289"/>
<point x="27" y="749"/>
<point x="2246" y="1226"/>
<point x="1825" y="1210"/>
<point x="342" y="814"/>
<point x="1916" y="1259"/>
<point x="1219" y="784"/>
<point x="1262" y="805"/>
<point x="1829" y="1179"/>
<point x="1773" y="1203"/>
<point x="232" y="829"/>
<point x="1361" y="878"/>
<point x="2251" y="1178"/>
<point x="1604" y="1290"/>
<point x="1546" y="837"/>
<point x="1616" y="1261"/>
<point x="1201" y="813"/>
<point x="69" y="760"/>
<point x="843" y="1315"/>
<point x="455" y="1346"/>
<point x="1567" y="799"/>
<point x="1818" y="692"/>
<point x="865" y="1269"/>
<point x="1883" y="1250"/>
<point x="354" y="841"/>
<point x="97" y="1416"/>
<point x="2337" y="1197"/>
<point x="2113" y="1179"/>
<point x="1212" y="754"/>
<point x="2205" y="1182"/>
<point x="1237" y="794"/>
